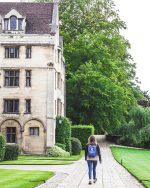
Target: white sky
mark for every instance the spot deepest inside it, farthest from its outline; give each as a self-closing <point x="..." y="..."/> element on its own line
<point x="136" y="14"/>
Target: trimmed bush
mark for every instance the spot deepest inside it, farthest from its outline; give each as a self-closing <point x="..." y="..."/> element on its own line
<point x="76" y="146"/>
<point x="12" y="152"/>
<point x="82" y="132"/>
<point x="56" y="151"/>
<point x="2" y="146"/>
<point x="62" y="146"/>
<point x="63" y="132"/>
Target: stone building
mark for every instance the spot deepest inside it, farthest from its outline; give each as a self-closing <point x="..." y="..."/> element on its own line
<point x="32" y="74"/>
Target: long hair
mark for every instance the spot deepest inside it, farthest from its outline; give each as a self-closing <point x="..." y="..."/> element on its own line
<point x="92" y="140"/>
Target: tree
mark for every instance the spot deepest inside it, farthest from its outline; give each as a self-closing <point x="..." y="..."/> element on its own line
<point x="98" y="98"/>
<point x="100" y="88"/>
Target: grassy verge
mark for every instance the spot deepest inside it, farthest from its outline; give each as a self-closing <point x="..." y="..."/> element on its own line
<point x="22" y="178"/>
<point x="27" y="160"/>
<point x="136" y="161"/>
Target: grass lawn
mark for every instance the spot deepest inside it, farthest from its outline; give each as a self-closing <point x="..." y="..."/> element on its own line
<point x="136" y="161"/>
<point x="22" y="178"/>
<point x="44" y="160"/>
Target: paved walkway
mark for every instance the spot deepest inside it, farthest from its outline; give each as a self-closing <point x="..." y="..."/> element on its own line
<point x="110" y="174"/>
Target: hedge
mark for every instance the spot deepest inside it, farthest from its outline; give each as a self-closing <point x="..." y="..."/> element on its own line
<point x="2" y="146"/>
<point x="63" y="132"/>
<point x="76" y="146"/>
<point x="82" y="132"/>
<point x="12" y="152"/>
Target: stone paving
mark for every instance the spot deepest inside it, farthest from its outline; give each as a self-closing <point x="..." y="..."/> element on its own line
<point x="110" y="174"/>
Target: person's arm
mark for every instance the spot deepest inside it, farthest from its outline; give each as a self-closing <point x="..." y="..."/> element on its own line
<point x="99" y="153"/>
<point x="86" y="151"/>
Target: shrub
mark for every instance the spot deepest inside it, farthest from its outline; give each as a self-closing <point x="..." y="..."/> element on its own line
<point x="76" y="146"/>
<point x="12" y="152"/>
<point x="2" y="146"/>
<point x="63" y="132"/>
<point x="129" y="140"/>
<point x="56" y="151"/>
<point x="144" y="137"/>
<point x="141" y="116"/>
<point x="82" y="132"/>
<point x="62" y="146"/>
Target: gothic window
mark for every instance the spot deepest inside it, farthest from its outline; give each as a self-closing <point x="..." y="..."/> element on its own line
<point x="13" y="23"/>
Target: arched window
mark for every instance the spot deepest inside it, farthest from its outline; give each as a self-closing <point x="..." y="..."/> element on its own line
<point x="13" y="23"/>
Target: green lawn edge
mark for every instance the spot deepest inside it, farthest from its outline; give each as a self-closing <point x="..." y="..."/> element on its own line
<point x="23" y="178"/>
<point x="43" y="160"/>
<point x="146" y="183"/>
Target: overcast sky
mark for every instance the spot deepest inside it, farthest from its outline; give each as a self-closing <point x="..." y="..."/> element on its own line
<point x="136" y="14"/>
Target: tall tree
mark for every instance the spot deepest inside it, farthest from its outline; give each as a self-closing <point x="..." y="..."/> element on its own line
<point x="99" y="71"/>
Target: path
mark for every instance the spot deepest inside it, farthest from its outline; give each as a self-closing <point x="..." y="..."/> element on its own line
<point x="110" y="174"/>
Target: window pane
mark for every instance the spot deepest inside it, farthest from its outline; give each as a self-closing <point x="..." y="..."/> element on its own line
<point x="11" y="106"/>
<point x="6" y="52"/>
<point x="20" y="24"/>
<point x="34" y="131"/>
<point x="6" y="24"/>
<point x="12" y="78"/>
<point x="11" y="134"/>
<point x="28" y="52"/>
<point x="13" y="23"/>
<point x="28" y="78"/>
<point x="28" y="106"/>
<point x="12" y="52"/>
<point x="16" y="106"/>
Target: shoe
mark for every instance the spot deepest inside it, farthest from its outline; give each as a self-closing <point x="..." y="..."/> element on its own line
<point x="90" y="182"/>
<point x="95" y="180"/>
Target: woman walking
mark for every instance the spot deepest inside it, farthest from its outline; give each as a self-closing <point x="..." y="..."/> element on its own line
<point x="92" y="155"/>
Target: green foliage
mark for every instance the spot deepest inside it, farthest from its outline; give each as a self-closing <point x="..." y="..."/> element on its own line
<point x="76" y="146"/>
<point x="100" y="75"/>
<point x="63" y="132"/>
<point x="141" y="116"/>
<point x="12" y="152"/>
<point x="62" y="146"/>
<point x="144" y="137"/>
<point x="2" y="146"/>
<point x="100" y="100"/>
<point x="56" y="151"/>
<point x="82" y="132"/>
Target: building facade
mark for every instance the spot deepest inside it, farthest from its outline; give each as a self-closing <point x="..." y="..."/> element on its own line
<point x="32" y="74"/>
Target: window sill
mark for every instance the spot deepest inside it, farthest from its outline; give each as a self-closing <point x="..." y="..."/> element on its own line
<point x="11" y="87"/>
<point x="26" y="113"/>
<point x="34" y="135"/>
<point x="15" y="113"/>
<point x="11" y="143"/>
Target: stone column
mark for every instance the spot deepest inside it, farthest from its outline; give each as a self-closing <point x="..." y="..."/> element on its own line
<point x="50" y="119"/>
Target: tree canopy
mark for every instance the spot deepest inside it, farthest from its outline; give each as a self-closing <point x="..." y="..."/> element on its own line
<point x="99" y="70"/>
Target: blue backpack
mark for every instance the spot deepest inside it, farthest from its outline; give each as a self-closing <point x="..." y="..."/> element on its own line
<point x="92" y="150"/>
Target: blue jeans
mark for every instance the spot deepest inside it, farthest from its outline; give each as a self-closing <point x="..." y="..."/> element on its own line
<point x="92" y="167"/>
